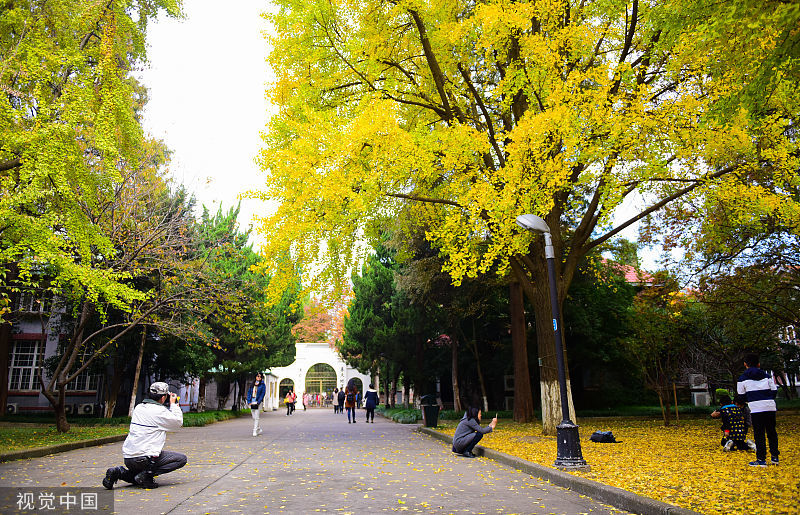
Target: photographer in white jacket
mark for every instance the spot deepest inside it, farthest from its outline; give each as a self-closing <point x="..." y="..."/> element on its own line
<point x="143" y="448"/>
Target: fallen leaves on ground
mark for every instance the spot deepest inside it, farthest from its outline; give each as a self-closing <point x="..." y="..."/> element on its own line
<point x="18" y="438"/>
<point x="681" y="464"/>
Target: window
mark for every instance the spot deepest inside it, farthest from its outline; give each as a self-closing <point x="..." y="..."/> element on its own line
<point x="26" y="357"/>
<point x="31" y="303"/>
<point x="84" y="381"/>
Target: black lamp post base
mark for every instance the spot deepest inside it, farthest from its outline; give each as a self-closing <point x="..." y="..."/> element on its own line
<point x="569" y="455"/>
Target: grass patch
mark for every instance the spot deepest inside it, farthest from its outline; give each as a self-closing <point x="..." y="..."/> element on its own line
<point x="84" y="428"/>
<point x="19" y="438"/>
<point x="680" y="464"/>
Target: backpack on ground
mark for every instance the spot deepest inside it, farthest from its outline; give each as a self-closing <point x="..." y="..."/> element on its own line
<point x="603" y="437"/>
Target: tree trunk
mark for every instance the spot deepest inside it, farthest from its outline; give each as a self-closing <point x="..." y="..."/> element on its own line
<point x="454" y="375"/>
<point x="661" y="403"/>
<point x="394" y="391"/>
<point x="675" y="397"/>
<point x="523" y="398"/>
<point x="406" y="394"/>
<point x="61" y="413"/>
<point x="531" y="272"/>
<point x="5" y="336"/>
<point x="481" y="382"/>
<point x="201" y="395"/>
<point x="548" y="364"/>
<point x="223" y="392"/>
<point x="5" y="356"/>
<point x="112" y="386"/>
<point x="135" y="388"/>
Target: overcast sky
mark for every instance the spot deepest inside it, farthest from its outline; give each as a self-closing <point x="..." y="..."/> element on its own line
<point x="206" y="77"/>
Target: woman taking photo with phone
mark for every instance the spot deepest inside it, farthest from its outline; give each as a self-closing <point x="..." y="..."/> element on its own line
<point x="469" y="432"/>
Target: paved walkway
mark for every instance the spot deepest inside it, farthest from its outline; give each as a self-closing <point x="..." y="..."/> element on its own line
<point x="311" y="462"/>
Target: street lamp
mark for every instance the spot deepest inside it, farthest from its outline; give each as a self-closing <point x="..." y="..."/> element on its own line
<point x="569" y="456"/>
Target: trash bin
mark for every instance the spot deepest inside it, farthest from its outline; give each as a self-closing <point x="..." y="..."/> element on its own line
<point x="430" y="415"/>
<point x="430" y="410"/>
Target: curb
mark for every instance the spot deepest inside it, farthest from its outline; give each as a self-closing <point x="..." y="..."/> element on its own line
<point x="38" y="452"/>
<point x="612" y="495"/>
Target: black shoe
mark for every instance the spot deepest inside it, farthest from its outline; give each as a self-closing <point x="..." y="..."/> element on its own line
<point x="112" y="476"/>
<point x="468" y="454"/>
<point x="145" y="480"/>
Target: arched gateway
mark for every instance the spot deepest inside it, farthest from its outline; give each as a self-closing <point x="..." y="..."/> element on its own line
<point x="317" y="369"/>
<point x="321" y="378"/>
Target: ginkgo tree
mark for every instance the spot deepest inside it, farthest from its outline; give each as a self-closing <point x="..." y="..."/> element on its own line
<point x="465" y="115"/>
<point x="69" y="122"/>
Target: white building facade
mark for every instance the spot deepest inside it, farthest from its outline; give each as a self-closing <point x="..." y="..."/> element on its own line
<point x="317" y="368"/>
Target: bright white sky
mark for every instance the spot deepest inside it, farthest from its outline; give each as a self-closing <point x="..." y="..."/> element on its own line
<point x="207" y="78"/>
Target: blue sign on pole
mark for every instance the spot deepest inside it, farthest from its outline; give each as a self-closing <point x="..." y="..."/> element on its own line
<point x="555" y="325"/>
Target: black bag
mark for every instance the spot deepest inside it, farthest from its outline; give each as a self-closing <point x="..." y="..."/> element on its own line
<point x="351" y="397"/>
<point x="603" y="437"/>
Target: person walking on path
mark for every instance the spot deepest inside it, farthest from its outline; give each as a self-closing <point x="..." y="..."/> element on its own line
<point x="340" y="399"/>
<point x="370" y="402"/>
<point x="143" y="448"/>
<point x="759" y="389"/>
<point x="289" y="401"/>
<point x="254" y="397"/>
<point x="469" y="432"/>
<point x="350" y="401"/>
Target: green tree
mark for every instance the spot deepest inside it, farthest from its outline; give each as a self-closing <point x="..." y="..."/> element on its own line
<point x="468" y="114"/>
<point x="658" y="341"/>
<point x="68" y="125"/>
<point x="252" y="333"/>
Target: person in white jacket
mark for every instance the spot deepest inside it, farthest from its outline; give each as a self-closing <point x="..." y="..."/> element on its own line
<point x="143" y="448"/>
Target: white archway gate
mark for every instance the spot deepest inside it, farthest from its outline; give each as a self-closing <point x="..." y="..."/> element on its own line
<point x="311" y="354"/>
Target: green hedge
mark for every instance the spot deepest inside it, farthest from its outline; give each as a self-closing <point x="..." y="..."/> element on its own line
<point x="190" y="419"/>
<point x="411" y="415"/>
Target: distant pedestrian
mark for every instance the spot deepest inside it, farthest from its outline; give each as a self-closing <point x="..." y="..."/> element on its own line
<point x="254" y="397"/>
<point x="350" y="395"/>
<point x="335" y="400"/>
<point x="340" y="400"/>
<point x="370" y="402"/>
<point x="759" y="389"/>
<point x="289" y="401"/>
<point x="469" y="432"/>
<point x="305" y="401"/>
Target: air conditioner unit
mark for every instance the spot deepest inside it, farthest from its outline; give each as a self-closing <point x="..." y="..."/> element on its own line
<point x="69" y="409"/>
<point x="86" y="409"/>
<point x="12" y="408"/>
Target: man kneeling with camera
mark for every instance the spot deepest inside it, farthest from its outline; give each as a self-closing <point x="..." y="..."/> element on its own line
<point x="142" y="450"/>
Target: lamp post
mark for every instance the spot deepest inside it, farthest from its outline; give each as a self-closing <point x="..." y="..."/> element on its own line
<point x="569" y="456"/>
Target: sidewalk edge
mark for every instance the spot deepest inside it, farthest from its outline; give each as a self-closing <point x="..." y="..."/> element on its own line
<point x="612" y="495"/>
<point x="38" y="452"/>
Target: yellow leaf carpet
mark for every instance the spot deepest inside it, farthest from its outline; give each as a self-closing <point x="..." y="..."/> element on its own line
<point x="681" y="464"/>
